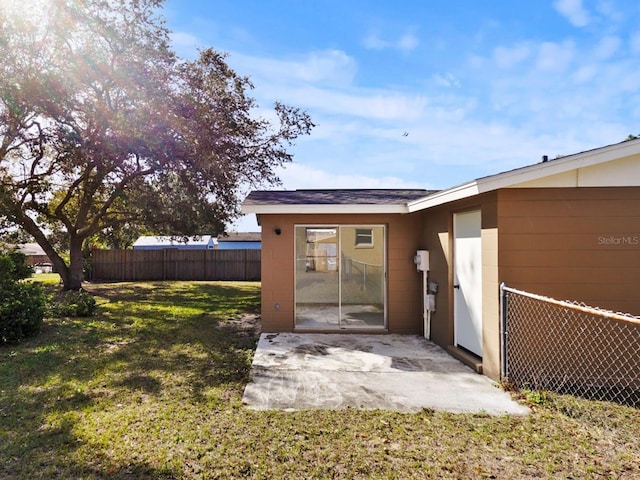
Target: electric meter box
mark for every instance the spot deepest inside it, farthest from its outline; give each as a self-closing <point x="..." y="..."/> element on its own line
<point x="422" y="260"/>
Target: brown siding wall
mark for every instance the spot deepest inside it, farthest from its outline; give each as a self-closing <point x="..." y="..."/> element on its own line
<point x="490" y="289"/>
<point x="438" y="239"/>
<point x="579" y="244"/>
<point x="403" y="282"/>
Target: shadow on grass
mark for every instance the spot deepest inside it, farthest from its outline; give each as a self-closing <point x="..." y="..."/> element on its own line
<point x="145" y="383"/>
<point x="176" y="342"/>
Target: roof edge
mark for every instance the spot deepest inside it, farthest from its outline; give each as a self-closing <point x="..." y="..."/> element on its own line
<point x="529" y="173"/>
<point x="444" y="196"/>
<point x="324" y="208"/>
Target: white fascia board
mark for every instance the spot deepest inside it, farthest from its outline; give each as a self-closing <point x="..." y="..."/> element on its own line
<point x="445" y="196"/>
<point x="323" y="209"/>
<point x="559" y="165"/>
<point x="528" y="174"/>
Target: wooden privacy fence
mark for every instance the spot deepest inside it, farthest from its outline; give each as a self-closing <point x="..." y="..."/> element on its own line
<point x="174" y="264"/>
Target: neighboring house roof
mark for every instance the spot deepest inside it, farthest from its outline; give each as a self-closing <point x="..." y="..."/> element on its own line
<point x="240" y="241"/>
<point x="240" y="237"/>
<point x="31" y="249"/>
<point x="331" y="201"/>
<point x="151" y="241"/>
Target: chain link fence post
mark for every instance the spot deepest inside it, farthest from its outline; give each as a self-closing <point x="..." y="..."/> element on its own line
<point x="504" y="366"/>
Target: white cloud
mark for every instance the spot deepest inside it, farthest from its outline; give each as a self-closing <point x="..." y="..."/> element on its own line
<point x="506" y="57"/>
<point x="477" y="62"/>
<point x="361" y="129"/>
<point x="299" y="176"/>
<point x="446" y="80"/>
<point x="549" y="98"/>
<point x="573" y="11"/>
<point x="634" y="42"/>
<point x="373" y="42"/>
<point x="405" y="42"/>
<point x="607" y="47"/>
<point x="185" y="43"/>
<point x="628" y="79"/>
<point x="610" y="10"/>
<point x="555" y="56"/>
<point x="326" y="65"/>
<point x="329" y="67"/>
<point x="372" y="104"/>
<point x="585" y="74"/>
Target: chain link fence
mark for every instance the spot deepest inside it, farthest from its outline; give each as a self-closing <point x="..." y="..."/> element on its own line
<point x="567" y="347"/>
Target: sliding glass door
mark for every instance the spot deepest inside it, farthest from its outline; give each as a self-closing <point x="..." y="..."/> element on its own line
<point x="317" y="277"/>
<point x="340" y="277"/>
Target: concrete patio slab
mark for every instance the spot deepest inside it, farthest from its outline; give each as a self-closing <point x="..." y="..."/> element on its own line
<point x="389" y="372"/>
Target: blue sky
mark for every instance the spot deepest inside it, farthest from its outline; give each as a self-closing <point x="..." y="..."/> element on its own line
<point x="428" y="93"/>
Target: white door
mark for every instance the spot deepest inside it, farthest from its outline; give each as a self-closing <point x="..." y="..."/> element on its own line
<point x="467" y="281"/>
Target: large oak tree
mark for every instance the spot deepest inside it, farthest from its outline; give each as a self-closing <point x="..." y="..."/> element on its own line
<point x="102" y="125"/>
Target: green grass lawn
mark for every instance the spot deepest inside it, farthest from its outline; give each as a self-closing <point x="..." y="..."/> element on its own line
<point x="151" y="387"/>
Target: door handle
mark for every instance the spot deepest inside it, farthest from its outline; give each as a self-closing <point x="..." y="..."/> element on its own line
<point x="456" y="286"/>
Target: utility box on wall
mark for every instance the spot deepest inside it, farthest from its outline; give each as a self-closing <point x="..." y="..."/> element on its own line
<point x="422" y="260"/>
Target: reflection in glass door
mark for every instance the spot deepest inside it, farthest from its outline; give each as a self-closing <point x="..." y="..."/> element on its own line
<point x="317" y="286"/>
<point x="362" y="276"/>
<point x="340" y="277"/>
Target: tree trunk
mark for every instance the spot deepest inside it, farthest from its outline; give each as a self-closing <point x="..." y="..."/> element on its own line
<point x="74" y="274"/>
<point x="70" y="280"/>
<point x="60" y="267"/>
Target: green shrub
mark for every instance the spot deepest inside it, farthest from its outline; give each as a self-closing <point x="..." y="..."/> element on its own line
<point x="22" y="305"/>
<point x="72" y="304"/>
<point x="13" y="266"/>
